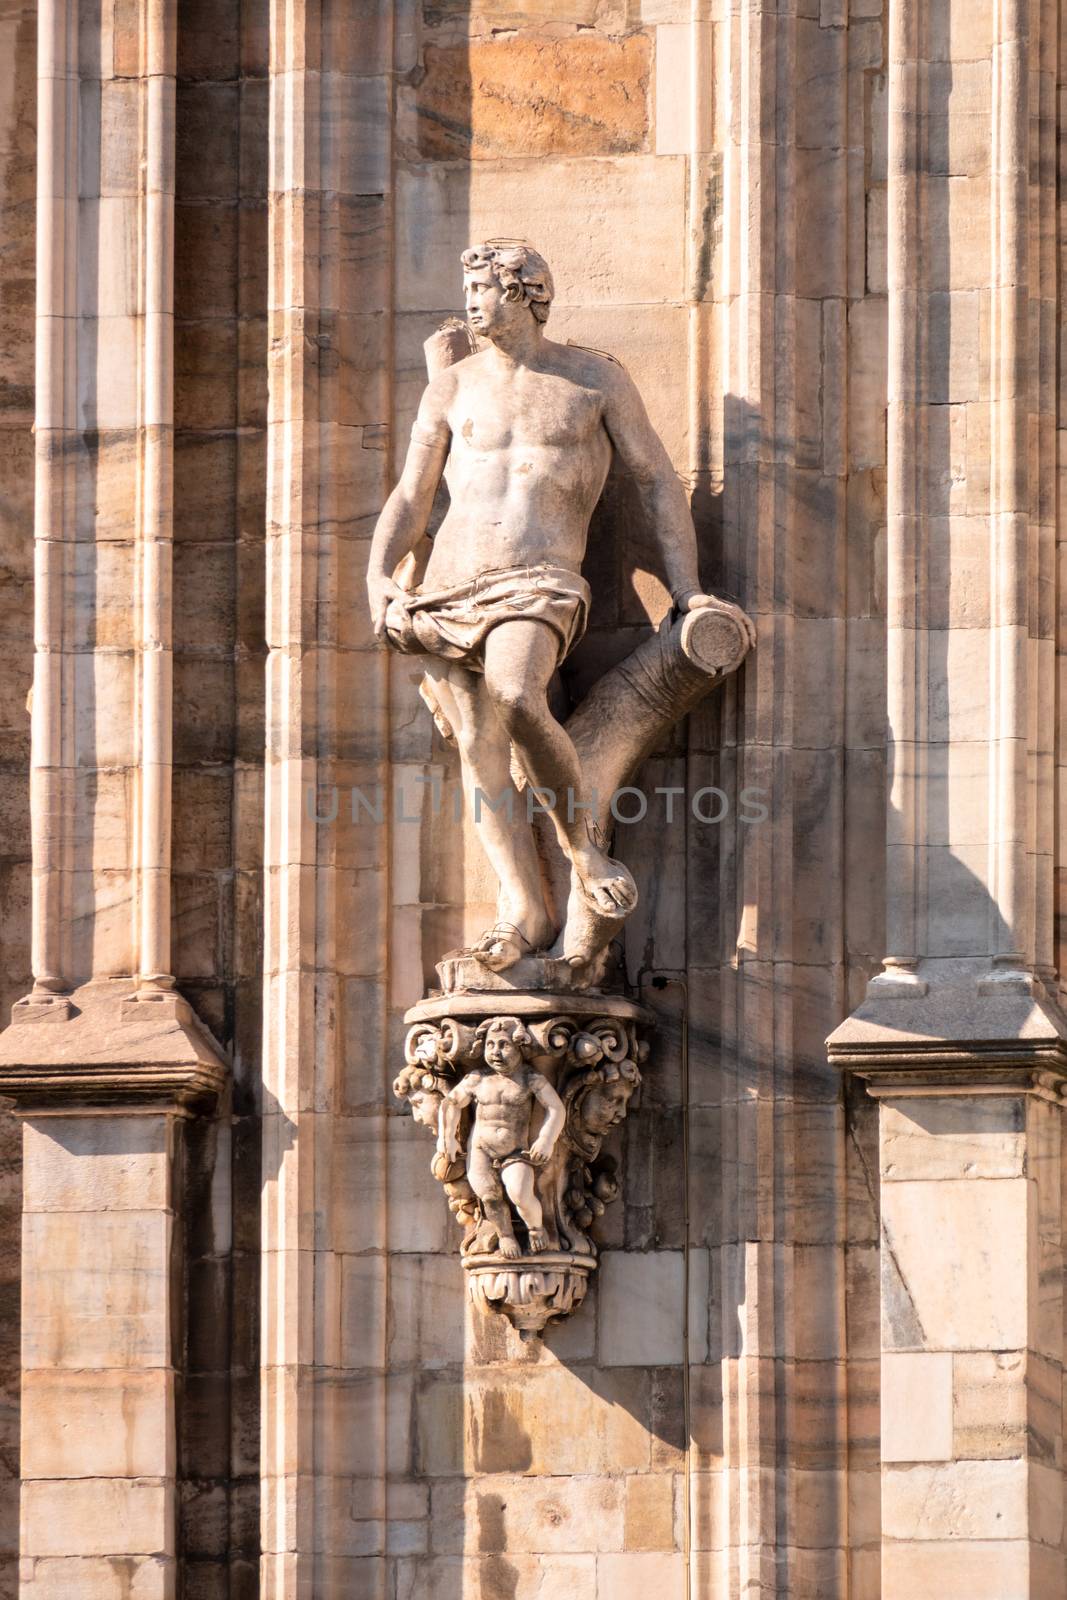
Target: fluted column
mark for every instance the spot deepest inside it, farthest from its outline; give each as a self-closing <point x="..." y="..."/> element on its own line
<point x="961" y="1040"/>
<point x="323" y="1466"/>
<point x="102" y="1082"/>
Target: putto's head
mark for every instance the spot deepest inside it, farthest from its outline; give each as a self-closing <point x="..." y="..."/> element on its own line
<point x="504" y="1040"/>
<point x="505" y="280"/>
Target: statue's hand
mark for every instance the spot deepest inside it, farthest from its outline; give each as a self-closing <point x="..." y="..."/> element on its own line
<point x="540" y="1151"/>
<point x="694" y="600"/>
<point x="381" y="590"/>
<point x="453" y="341"/>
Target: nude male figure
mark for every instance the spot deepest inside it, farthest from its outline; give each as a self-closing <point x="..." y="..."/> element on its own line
<point x="523" y="433"/>
<point x="499" y="1163"/>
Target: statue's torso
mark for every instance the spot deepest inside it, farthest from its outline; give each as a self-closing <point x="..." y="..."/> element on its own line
<point x="527" y="462"/>
<point x="503" y="1116"/>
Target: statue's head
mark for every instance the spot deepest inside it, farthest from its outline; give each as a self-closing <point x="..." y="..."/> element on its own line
<point x="505" y="280"/>
<point x="505" y="1041"/>
<point x="605" y="1101"/>
<point x="422" y="1091"/>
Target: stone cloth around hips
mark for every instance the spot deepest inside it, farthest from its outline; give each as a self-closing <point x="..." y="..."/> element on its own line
<point x="454" y="623"/>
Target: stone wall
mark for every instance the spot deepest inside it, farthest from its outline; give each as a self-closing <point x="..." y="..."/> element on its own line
<point x="781" y="221"/>
<point x="18" y="105"/>
<point x="217" y="915"/>
<point x="608" y="1461"/>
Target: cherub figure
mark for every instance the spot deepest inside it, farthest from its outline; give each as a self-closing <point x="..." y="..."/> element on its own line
<point x="501" y="1163"/>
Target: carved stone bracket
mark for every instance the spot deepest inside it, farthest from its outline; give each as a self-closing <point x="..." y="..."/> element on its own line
<point x="521" y="1091"/>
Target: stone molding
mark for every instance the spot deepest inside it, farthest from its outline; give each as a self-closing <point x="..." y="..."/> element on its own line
<point x="953" y="1038"/>
<point x="99" y="1050"/>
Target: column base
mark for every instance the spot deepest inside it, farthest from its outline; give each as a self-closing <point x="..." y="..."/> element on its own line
<point x="955" y="1017"/>
<point x="969" y="1080"/>
<point x="101" y="1093"/>
<point x="108" y="1050"/>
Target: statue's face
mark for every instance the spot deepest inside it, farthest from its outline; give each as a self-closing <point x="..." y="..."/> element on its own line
<point x="424" y="1108"/>
<point x="490" y="309"/>
<point x="501" y="1051"/>
<point x="605" y="1107"/>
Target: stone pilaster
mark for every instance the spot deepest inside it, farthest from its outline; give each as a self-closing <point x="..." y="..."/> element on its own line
<point x="102" y="1093"/>
<point x="970" y="1178"/>
<point x="323" y="1504"/>
<point x="961" y="1038"/>
<point x="103" y="1060"/>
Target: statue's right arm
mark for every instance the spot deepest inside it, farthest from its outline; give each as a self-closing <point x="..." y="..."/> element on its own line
<point x="407" y="511"/>
<point x="451" y="1108"/>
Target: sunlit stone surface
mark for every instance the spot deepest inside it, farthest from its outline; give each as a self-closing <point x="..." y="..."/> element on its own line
<point x="821" y="1353"/>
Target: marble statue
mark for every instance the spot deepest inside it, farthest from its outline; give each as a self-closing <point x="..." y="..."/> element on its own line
<point x="501" y="1159"/>
<point x="523" y="1063"/>
<point x="522" y="429"/>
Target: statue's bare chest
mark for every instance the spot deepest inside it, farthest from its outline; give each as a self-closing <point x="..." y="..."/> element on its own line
<point x="533" y="410"/>
<point x="503" y="1094"/>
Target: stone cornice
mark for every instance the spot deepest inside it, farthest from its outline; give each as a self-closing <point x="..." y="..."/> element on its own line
<point x="100" y="1050"/>
<point x="960" y="1037"/>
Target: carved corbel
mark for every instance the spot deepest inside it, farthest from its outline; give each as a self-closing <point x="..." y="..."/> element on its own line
<point x="590" y="1066"/>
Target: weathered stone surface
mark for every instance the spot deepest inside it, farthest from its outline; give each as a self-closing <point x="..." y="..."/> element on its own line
<point x="917" y="1407"/>
<point x="522" y="95"/>
<point x="96" y="1516"/>
<point x="611" y="198"/>
<point x="975" y="1292"/>
<point x="783" y="225"/>
<point x="932" y="1139"/>
<point x="105" y="1424"/>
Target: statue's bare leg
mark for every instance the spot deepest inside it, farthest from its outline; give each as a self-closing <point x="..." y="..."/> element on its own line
<point x="508" y="840"/>
<point x="520" y="658"/>
<point x="520" y="1184"/>
<point x="497" y="1230"/>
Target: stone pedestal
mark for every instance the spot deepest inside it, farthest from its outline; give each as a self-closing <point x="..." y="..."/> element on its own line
<point x="586" y="1047"/>
<point x="102" y="1091"/>
<point x="970" y="1111"/>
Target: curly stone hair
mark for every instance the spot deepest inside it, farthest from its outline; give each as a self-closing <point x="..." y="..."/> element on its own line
<point x="517" y="1030"/>
<point x="515" y="264"/>
<point x="415" y="1077"/>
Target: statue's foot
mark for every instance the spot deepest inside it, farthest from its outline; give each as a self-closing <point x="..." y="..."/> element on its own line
<point x="500" y="947"/>
<point x="538" y="1240"/>
<point x="606" y="885"/>
<point x="509" y="1247"/>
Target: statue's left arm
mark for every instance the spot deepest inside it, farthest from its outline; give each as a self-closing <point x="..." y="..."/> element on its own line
<point x="555" y="1116"/>
<point x="666" y="507"/>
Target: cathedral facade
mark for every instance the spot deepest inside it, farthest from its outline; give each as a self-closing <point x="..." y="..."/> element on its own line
<point x="769" y="1297"/>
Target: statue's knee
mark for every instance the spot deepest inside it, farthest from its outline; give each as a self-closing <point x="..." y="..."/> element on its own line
<point x="515" y="703"/>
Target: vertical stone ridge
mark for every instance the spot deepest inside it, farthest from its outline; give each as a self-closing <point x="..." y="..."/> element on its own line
<point x="1041" y="354"/>
<point x="289" y="1144"/>
<point x="55" y="424"/>
<point x="329" y="349"/>
<point x="156" y="520"/>
<point x="907" y="557"/>
<point x="1012" y="940"/>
